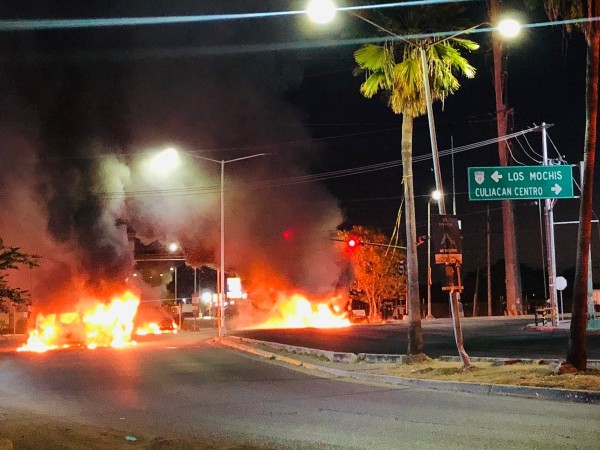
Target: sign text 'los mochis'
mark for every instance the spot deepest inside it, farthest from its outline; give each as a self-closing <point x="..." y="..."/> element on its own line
<point x="520" y="182"/>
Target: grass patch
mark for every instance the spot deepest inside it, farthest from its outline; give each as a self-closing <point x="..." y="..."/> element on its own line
<point x="517" y="374"/>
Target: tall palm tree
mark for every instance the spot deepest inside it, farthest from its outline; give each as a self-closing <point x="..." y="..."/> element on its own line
<point x="572" y="9"/>
<point x="394" y="69"/>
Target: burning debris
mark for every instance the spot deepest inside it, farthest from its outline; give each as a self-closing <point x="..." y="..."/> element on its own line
<point x="296" y="311"/>
<point x="93" y="324"/>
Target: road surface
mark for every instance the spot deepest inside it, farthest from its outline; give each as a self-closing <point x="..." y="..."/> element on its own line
<point x="185" y="385"/>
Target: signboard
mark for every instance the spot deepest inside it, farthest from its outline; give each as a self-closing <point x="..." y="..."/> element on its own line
<point x="520" y="182"/>
<point x="446" y="239"/>
<point x="560" y="283"/>
<point x="234" y="288"/>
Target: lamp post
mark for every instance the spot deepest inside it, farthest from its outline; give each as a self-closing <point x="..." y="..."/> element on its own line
<point x="222" y="289"/>
<point x="174" y="247"/>
<point x="434" y="197"/>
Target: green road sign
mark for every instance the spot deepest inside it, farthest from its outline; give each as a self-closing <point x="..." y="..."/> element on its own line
<point x="520" y="182"/>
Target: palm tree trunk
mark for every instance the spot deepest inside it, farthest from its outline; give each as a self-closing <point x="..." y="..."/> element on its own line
<point x="514" y="305"/>
<point x="415" y="332"/>
<point x="577" y="347"/>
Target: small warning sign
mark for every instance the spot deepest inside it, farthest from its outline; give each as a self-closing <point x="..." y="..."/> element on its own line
<point x="446" y="239"/>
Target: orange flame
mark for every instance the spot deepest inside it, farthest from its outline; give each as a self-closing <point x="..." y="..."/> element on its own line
<point x="296" y="311"/>
<point x="155" y="328"/>
<point x="94" y="325"/>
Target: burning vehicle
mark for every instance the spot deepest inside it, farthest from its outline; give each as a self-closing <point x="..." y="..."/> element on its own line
<point x="94" y="323"/>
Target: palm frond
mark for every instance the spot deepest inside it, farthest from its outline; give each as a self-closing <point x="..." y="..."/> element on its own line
<point x="467" y="44"/>
<point x="373" y="57"/>
<point x="403" y="81"/>
<point x="374" y="83"/>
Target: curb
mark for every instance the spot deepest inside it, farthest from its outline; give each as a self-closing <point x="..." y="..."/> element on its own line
<point x="555" y="394"/>
<point x="551" y="329"/>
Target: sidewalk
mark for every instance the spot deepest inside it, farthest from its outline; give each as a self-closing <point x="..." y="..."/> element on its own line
<point x="362" y="368"/>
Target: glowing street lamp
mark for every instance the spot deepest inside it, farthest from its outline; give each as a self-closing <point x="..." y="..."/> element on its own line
<point x="321" y="11"/>
<point x="165" y="161"/>
<point x="509" y="28"/>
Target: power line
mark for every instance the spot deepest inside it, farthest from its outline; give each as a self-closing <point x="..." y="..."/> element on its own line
<point x="289" y="181"/>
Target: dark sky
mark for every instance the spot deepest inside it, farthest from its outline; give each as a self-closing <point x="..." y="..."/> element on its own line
<point x="227" y="89"/>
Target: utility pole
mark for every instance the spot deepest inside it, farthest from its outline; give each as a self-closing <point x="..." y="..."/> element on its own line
<point x="489" y="267"/>
<point x="476" y="295"/>
<point x="513" y="277"/>
<point x="549" y="222"/>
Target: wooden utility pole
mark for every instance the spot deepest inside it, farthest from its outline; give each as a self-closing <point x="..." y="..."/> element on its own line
<point x="489" y="267"/>
<point x="514" y="305"/>
<point x="476" y="294"/>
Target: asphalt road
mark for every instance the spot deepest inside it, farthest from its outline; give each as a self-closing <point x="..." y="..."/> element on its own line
<point x="495" y="337"/>
<point x="185" y="385"/>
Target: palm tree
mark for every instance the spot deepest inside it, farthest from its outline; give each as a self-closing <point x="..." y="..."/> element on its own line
<point x="401" y="79"/>
<point x="572" y="9"/>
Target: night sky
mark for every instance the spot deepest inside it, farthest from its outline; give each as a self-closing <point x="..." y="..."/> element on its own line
<point x="279" y="85"/>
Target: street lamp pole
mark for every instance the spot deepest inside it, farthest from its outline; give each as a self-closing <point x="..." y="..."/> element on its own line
<point x="435" y="196"/>
<point x="222" y="289"/>
<point x="429" y="316"/>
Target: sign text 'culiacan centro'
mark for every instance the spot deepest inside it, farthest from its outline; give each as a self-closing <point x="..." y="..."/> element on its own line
<point x="520" y="182"/>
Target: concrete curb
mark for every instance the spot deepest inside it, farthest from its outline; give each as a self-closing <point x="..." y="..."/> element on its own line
<point x="447" y="386"/>
<point x="551" y="329"/>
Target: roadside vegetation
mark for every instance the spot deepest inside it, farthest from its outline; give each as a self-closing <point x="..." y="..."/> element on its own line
<point x="534" y="373"/>
<point x="537" y="374"/>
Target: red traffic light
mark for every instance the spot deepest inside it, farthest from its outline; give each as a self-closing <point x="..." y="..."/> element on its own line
<point x="352" y="242"/>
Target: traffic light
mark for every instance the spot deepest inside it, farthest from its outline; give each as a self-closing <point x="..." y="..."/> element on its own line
<point x="352" y="242"/>
<point x="402" y="268"/>
<point x="421" y="240"/>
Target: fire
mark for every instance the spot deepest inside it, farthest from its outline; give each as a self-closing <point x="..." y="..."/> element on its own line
<point x="155" y="328"/>
<point x="94" y="324"/>
<point x="296" y="311"/>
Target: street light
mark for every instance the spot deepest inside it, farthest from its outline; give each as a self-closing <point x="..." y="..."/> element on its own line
<point x="321" y="11"/>
<point x="222" y="290"/>
<point x="434" y="197"/>
<point x="164" y="161"/>
<point x="173" y="247"/>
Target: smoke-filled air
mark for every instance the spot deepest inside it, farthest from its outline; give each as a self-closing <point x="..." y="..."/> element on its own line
<point x="81" y="184"/>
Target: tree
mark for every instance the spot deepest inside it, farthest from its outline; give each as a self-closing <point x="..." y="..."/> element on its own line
<point x="574" y="9"/>
<point x="10" y="259"/>
<point x="375" y="266"/>
<point x="394" y="68"/>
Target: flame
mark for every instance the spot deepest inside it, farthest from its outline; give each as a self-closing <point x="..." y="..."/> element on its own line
<point x="155" y="328"/>
<point x="296" y="311"/>
<point x="95" y="324"/>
